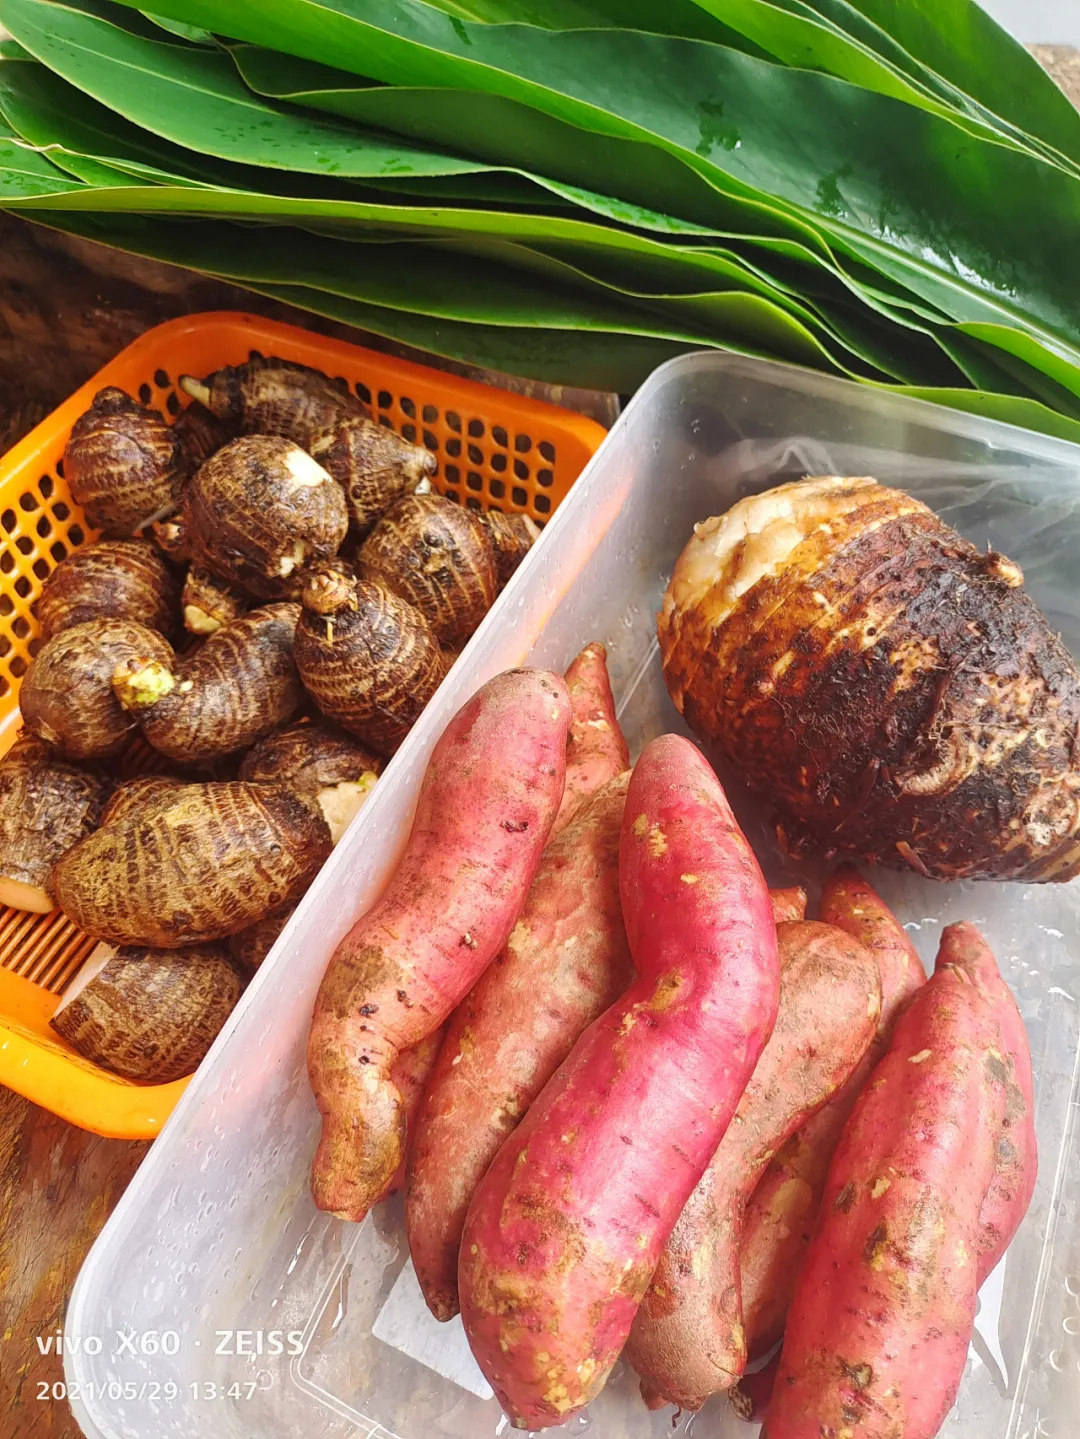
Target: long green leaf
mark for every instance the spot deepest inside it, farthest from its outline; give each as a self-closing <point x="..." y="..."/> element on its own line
<point x="442" y="223"/>
<point x="502" y="131"/>
<point x="599" y="360"/>
<point x="1009" y="409"/>
<point x="843" y="16"/>
<point x="961" y="42"/>
<point x="443" y="284"/>
<point x="24" y="173"/>
<point x="810" y="42"/>
<point x="192" y="96"/>
<point x="852" y="161"/>
<point x="176" y="27"/>
<point x="674" y="17"/>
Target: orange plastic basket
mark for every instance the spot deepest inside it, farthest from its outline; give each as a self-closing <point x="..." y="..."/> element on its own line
<point x="494" y="450"/>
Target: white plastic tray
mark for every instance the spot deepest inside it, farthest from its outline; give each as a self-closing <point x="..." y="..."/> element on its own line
<point x="217" y="1233"/>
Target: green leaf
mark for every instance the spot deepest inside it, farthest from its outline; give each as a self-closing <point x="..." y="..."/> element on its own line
<point x="194" y="98"/>
<point x="442" y="284"/>
<point x="501" y="130"/>
<point x="960" y="41"/>
<point x="1009" y="409"/>
<point x="797" y="37"/>
<point x="24" y="172"/>
<point x="848" y="160"/>
<point x="675" y="17"/>
<point x="48" y="112"/>
<point x="177" y="27"/>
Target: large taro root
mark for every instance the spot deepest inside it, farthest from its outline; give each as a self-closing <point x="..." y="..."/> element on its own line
<point x="890" y="688"/>
<point x="236" y="687"/>
<point x="67" y="696"/>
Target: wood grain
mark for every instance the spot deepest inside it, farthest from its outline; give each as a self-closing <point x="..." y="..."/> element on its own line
<point x="58" y="1185"/>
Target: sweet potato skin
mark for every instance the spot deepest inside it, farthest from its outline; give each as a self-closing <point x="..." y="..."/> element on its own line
<point x="566" y="961"/>
<point x="890" y="688"/>
<point x="596" y="750"/>
<point x="1016" y="1152"/>
<point x="879" y="1328"/>
<point x="485" y="809"/>
<point x="566" y="1228"/>
<point x="688" y="1340"/>
<point x="782" y="1210"/>
<point x="410" y="1073"/>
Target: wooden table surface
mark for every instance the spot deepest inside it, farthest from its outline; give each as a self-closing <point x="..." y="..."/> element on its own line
<point x="65" y="309"/>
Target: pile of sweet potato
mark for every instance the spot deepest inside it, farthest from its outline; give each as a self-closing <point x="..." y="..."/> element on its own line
<point x="643" y="1106"/>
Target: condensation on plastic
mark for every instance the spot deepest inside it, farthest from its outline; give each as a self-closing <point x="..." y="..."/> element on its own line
<point x="217" y="1230"/>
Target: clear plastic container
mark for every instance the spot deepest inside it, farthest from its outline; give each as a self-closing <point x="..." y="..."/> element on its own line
<point x="216" y="1241"/>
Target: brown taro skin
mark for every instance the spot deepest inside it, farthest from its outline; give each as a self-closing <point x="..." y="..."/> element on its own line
<point x="688" y="1341"/>
<point x="308" y="756"/>
<point x="888" y="687"/>
<point x="568" y="1224"/>
<point x="368" y="658"/>
<point x="566" y="961"/>
<point x="260" y="512"/>
<point x="131" y="794"/>
<point x="878" y="1334"/>
<point x="124" y="465"/>
<point x="487" y="801"/>
<point x="183" y="864"/>
<point x="151" y="1015"/>
<point x="47" y="804"/>
<point x="249" y="947"/>
<point x="783" y="1208"/>
<point x="200" y="434"/>
<point x="270" y="396"/>
<point x="372" y="464"/>
<point x="123" y="578"/>
<point x="67" y="694"/>
<point x="433" y="553"/>
<point x="512" y="537"/>
<point x="596" y="750"/>
<point x="237" y="686"/>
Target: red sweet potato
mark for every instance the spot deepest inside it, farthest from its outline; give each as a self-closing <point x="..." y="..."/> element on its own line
<point x="566" y="961"/>
<point x="883" y="1312"/>
<point x="486" y="805"/>
<point x="688" y="1339"/>
<point x="410" y="1073"/>
<point x="595" y="750"/>
<point x="566" y="1228"/>
<point x="1016" y="1155"/>
<point x="783" y="1208"/>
